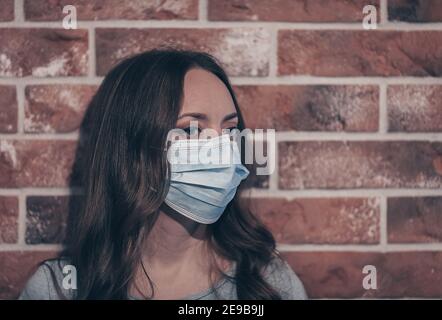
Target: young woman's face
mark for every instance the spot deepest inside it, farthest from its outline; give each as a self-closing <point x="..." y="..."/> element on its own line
<point x="208" y="101"/>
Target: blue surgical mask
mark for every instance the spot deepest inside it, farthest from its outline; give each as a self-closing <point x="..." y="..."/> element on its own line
<point x="204" y="177"/>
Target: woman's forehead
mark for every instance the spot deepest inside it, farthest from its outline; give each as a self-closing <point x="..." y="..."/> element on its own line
<point x="205" y="92"/>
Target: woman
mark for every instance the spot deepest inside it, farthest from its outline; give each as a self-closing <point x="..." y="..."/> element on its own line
<point x="130" y="239"/>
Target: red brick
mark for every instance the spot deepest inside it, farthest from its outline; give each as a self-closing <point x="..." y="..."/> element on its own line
<point x="7" y="10"/>
<point x="43" y="52"/>
<point x="360" y="53"/>
<point x="320" y="221"/>
<point x="288" y="10"/>
<point x="36" y="163"/>
<point x="359" y="164"/>
<point x="414" y="108"/>
<point x="310" y="108"/>
<point x="43" y="10"/>
<point x="415" y="10"/>
<point x="8" y="219"/>
<point x="56" y="108"/>
<point x="339" y="274"/>
<point x="415" y="219"/>
<point x="242" y="51"/>
<point x="8" y="109"/>
<point x="16" y="268"/>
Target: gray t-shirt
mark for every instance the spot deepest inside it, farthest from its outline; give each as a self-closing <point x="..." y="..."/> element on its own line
<point x="278" y="274"/>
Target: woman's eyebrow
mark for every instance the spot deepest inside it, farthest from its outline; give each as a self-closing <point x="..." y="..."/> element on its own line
<point x="230" y="116"/>
<point x="203" y="116"/>
<point x="194" y="115"/>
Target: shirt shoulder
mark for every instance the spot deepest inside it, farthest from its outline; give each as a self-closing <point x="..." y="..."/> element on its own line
<point x="282" y="278"/>
<point x="46" y="282"/>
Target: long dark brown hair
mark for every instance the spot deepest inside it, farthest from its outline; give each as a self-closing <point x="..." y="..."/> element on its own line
<point x="122" y="169"/>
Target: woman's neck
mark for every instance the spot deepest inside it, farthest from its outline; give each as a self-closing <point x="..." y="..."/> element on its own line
<point x="174" y="239"/>
<point x="177" y="257"/>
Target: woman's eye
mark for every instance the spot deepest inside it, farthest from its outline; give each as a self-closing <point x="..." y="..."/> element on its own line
<point x="192" y="130"/>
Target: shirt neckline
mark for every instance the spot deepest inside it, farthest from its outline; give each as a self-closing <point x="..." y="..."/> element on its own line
<point x="206" y="292"/>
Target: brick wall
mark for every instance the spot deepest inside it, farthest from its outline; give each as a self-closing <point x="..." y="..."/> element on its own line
<point x="358" y="115"/>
